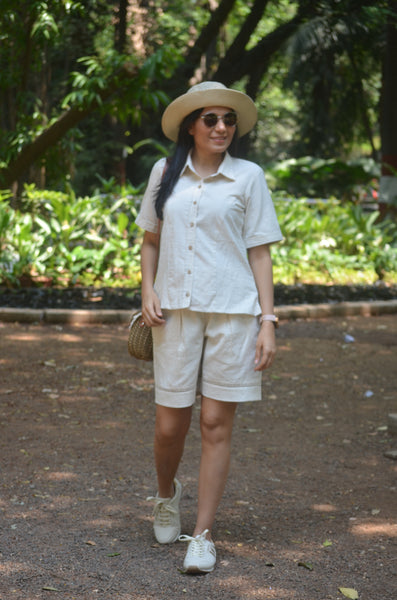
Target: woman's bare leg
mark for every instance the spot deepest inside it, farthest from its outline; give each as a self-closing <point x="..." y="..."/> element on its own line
<point x="216" y="433"/>
<point x="172" y="425"/>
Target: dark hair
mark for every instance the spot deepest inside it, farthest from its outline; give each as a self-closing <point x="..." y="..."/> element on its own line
<point x="176" y="162"/>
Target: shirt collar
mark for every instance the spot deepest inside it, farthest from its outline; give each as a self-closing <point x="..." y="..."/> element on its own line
<point x="226" y="168"/>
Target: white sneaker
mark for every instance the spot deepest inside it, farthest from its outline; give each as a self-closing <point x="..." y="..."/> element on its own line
<point x="201" y="554"/>
<point x="167" y="522"/>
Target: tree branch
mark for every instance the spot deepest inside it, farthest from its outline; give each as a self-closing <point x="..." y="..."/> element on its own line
<point x="203" y="42"/>
<point x="48" y="138"/>
<point x="246" y="31"/>
<point x="257" y="59"/>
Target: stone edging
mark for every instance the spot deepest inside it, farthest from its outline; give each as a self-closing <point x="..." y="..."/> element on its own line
<point x="93" y="317"/>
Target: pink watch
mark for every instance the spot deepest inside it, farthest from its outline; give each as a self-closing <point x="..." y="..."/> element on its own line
<point x="272" y="318"/>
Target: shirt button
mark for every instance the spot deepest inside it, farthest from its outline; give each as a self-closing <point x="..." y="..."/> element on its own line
<point x="187" y="294"/>
<point x="191" y="224"/>
<point x="189" y="272"/>
<point x="190" y="247"/>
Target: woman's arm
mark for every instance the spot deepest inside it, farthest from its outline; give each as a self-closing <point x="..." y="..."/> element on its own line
<point x="151" y="309"/>
<point x="261" y="264"/>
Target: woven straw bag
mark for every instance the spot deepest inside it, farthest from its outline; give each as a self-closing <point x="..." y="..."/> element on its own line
<point x="140" y="341"/>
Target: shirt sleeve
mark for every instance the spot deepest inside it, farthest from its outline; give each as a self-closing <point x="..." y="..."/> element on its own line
<point x="261" y="224"/>
<point x="147" y="217"/>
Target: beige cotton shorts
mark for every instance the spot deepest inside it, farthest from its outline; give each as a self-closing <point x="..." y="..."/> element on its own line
<point x="208" y="353"/>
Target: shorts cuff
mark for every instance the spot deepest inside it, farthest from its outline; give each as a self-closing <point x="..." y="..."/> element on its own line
<point x="249" y="393"/>
<point x="175" y="399"/>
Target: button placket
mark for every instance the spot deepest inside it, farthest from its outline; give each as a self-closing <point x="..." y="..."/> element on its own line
<point x="190" y="240"/>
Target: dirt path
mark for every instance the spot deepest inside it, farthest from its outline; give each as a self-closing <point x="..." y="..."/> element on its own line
<point x="311" y="502"/>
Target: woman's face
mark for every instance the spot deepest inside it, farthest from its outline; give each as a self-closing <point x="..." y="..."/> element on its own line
<point x="215" y="139"/>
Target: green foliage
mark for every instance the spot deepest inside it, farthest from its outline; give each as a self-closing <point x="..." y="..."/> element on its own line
<point x="326" y="241"/>
<point x="316" y="177"/>
<point x="64" y="55"/>
<point x="72" y="240"/>
<point x="335" y="74"/>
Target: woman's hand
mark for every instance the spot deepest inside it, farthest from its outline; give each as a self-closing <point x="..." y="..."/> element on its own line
<point x="261" y="265"/>
<point x="151" y="310"/>
<point x="265" y="346"/>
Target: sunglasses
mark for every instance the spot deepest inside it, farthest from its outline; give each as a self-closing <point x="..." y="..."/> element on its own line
<point x="211" y="119"/>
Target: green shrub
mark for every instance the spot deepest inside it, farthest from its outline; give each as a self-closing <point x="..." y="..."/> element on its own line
<point x="326" y="241"/>
<point x="70" y="240"/>
<point x="323" y="178"/>
<point x="94" y="240"/>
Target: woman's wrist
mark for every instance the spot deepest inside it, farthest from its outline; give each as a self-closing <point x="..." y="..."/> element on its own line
<point x="269" y="318"/>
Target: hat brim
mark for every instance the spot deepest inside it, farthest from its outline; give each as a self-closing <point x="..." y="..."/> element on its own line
<point x="187" y="103"/>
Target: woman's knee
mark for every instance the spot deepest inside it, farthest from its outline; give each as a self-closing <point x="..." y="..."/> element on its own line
<point x="216" y="422"/>
<point x="172" y="425"/>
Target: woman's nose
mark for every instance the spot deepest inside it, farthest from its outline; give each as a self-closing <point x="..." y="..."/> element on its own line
<point x="220" y="125"/>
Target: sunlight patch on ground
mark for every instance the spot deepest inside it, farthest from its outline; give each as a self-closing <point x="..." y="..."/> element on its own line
<point x="8" y="567"/>
<point x="109" y="425"/>
<point x="324" y="507"/>
<point x="31" y="336"/>
<point x="248" y="591"/>
<point x="61" y="476"/>
<point x="375" y="529"/>
<point x="107" y="523"/>
<point x="285" y="348"/>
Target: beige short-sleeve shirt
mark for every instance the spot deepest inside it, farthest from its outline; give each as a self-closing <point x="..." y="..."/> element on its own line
<point x="209" y="223"/>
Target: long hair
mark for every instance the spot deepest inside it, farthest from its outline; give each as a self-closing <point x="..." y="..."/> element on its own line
<point x="177" y="161"/>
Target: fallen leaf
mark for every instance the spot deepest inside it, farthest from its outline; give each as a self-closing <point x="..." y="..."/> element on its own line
<point x="114" y="554"/>
<point x="327" y="543"/>
<point x="349" y="593"/>
<point x="49" y="363"/>
<point x="307" y="566"/>
<point x="89" y="543"/>
<point x="48" y="588"/>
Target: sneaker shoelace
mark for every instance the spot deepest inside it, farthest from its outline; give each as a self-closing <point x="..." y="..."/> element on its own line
<point x="197" y="546"/>
<point x="162" y="511"/>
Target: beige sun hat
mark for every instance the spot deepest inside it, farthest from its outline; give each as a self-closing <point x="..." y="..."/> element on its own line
<point x="209" y="93"/>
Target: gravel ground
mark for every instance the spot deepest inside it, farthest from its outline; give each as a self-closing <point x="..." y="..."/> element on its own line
<point x="310" y="506"/>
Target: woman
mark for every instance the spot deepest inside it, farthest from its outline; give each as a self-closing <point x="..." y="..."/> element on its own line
<point x="213" y="281"/>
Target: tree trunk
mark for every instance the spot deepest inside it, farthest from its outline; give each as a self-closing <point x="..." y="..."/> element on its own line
<point x="388" y="181"/>
<point x="69" y="119"/>
<point x="117" y="128"/>
<point x="203" y="42"/>
<point x="244" y="35"/>
<point x="121" y="27"/>
<point x="258" y="57"/>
